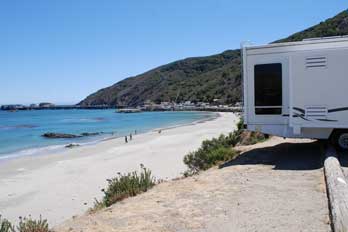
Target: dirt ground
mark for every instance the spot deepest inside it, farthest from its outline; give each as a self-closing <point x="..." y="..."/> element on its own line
<point x="273" y="186"/>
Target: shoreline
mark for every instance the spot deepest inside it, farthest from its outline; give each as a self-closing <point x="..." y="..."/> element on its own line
<point x="213" y="117"/>
<point x="61" y="185"/>
<point x="58" y="148"/>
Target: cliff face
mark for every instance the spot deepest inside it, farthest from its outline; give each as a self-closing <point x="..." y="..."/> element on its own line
<point x="198" y="79"/>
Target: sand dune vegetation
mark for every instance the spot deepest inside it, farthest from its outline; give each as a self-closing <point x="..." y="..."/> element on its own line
<point x="26" y="224"/>
<point x="125" y="185"/>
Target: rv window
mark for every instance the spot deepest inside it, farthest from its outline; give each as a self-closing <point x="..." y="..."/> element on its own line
<point x="268" y="88"/>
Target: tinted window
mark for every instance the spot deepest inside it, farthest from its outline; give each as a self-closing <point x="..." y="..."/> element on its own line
<point x="268" y="88"/>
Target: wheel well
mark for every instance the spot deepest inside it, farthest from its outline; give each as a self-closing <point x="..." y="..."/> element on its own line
<point x="337" y="131"/>
<point x="335" y="138"/>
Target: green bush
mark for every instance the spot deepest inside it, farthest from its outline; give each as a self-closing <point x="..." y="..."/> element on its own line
<point x="30" y="225"/>
<point x="125" y="185"/>
<point x="217" y="150"/>
<point x="240" y="125"/>
<point x="98" y="205"/>
<point x="5" y="225"/>
<point x="25" y="225"/>
<point x="211" y="152"/>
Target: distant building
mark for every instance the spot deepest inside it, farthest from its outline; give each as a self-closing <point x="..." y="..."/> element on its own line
<point x="46" y="105"/>
<point x="188" y="103"/>
<point x="238" y="104"/>
<point x="202" y="104"/>
<point x="148" y="102"/>
<point x="166" y="105"/>
<point x="33" y="106"/>
<point x="12" y="107"/>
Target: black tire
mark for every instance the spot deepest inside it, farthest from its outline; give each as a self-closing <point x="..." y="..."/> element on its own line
<point x="339" y="139"/>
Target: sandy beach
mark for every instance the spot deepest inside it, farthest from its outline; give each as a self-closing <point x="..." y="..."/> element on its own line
<point x="61" y="185"/>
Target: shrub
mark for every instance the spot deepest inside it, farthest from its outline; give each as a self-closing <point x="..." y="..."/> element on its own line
<point x="217" y="150"/>
<point x="30" y="225"/>
<point x="98" y="205"/>
<point x="5" y="225"/>
<point x="211" y="152"/>
<point x="251" y="137"/>
<point x="125" y="185"/>
<point x="240" y="125"/>
<point x="25" y="225"/>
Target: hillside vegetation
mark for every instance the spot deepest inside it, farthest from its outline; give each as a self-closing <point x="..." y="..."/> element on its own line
<point x="198" y="79"/>
<point x="336" y="26"/>
<point x="195" y="79"/>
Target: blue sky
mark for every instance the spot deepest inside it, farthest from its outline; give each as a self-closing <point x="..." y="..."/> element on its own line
<point x="62" y="50"/>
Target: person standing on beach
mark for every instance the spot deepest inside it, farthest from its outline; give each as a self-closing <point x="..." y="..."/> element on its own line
<point x="130" y="136"/>
<point x="125" y="139"/>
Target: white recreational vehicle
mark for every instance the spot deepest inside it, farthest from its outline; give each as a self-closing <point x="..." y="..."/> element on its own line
<point x="298" y="89"/>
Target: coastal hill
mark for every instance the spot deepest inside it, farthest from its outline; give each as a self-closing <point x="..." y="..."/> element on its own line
<point x="192" y="79"/>
<point x="198" y="79"/>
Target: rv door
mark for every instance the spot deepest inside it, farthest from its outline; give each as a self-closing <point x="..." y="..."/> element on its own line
<point x="268" y="91"/>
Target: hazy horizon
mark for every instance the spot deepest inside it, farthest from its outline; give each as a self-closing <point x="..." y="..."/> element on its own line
<point x="63" y="51"/>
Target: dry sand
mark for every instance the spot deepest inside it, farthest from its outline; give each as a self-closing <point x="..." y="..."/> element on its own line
<point x="59" y="186"/>
<point x="273" y="186"/>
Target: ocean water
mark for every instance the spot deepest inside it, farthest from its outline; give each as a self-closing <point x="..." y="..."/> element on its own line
<point x="20" y="132"/>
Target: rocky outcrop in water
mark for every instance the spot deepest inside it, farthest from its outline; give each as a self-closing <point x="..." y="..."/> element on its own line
<point x="60" y="136"/>
<point x="69" y="136"/>
<point x="72" y="145"/>
<point x="90" y="134"/>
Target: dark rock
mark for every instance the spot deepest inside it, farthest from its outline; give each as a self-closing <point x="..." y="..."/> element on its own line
<point x="90" y="134"/>
<point x="69" y="136"/>
<point x="25" y="126"/>
<point x="99" y="119"/>
<point x="72" y="145"/>
<point x="60" y="136"/>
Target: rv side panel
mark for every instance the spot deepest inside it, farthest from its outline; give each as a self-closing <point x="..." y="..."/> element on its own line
<point x="320" y="88"/>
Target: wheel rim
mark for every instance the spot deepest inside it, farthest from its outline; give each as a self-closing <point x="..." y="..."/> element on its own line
<point x="343" y="141"/>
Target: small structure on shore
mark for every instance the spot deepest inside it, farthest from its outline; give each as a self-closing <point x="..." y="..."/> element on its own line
<point x="46" y="105"/>
<point x="12" y="107"/>
<point x="128" y="110"/>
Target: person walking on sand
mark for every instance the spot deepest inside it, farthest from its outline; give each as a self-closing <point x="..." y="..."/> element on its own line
<point x="130" y="136"/>
<point x="135" y="132"/>
<point x="125" y="139"/>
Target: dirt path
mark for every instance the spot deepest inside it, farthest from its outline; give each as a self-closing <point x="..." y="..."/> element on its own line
<point x="277" y="186"/>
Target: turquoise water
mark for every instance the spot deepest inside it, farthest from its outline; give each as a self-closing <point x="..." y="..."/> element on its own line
<point x="20" y="132"/>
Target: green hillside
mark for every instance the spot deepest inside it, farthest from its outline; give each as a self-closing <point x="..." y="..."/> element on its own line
<point x="336" y="26"/>
<point x="198" y="79"/>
